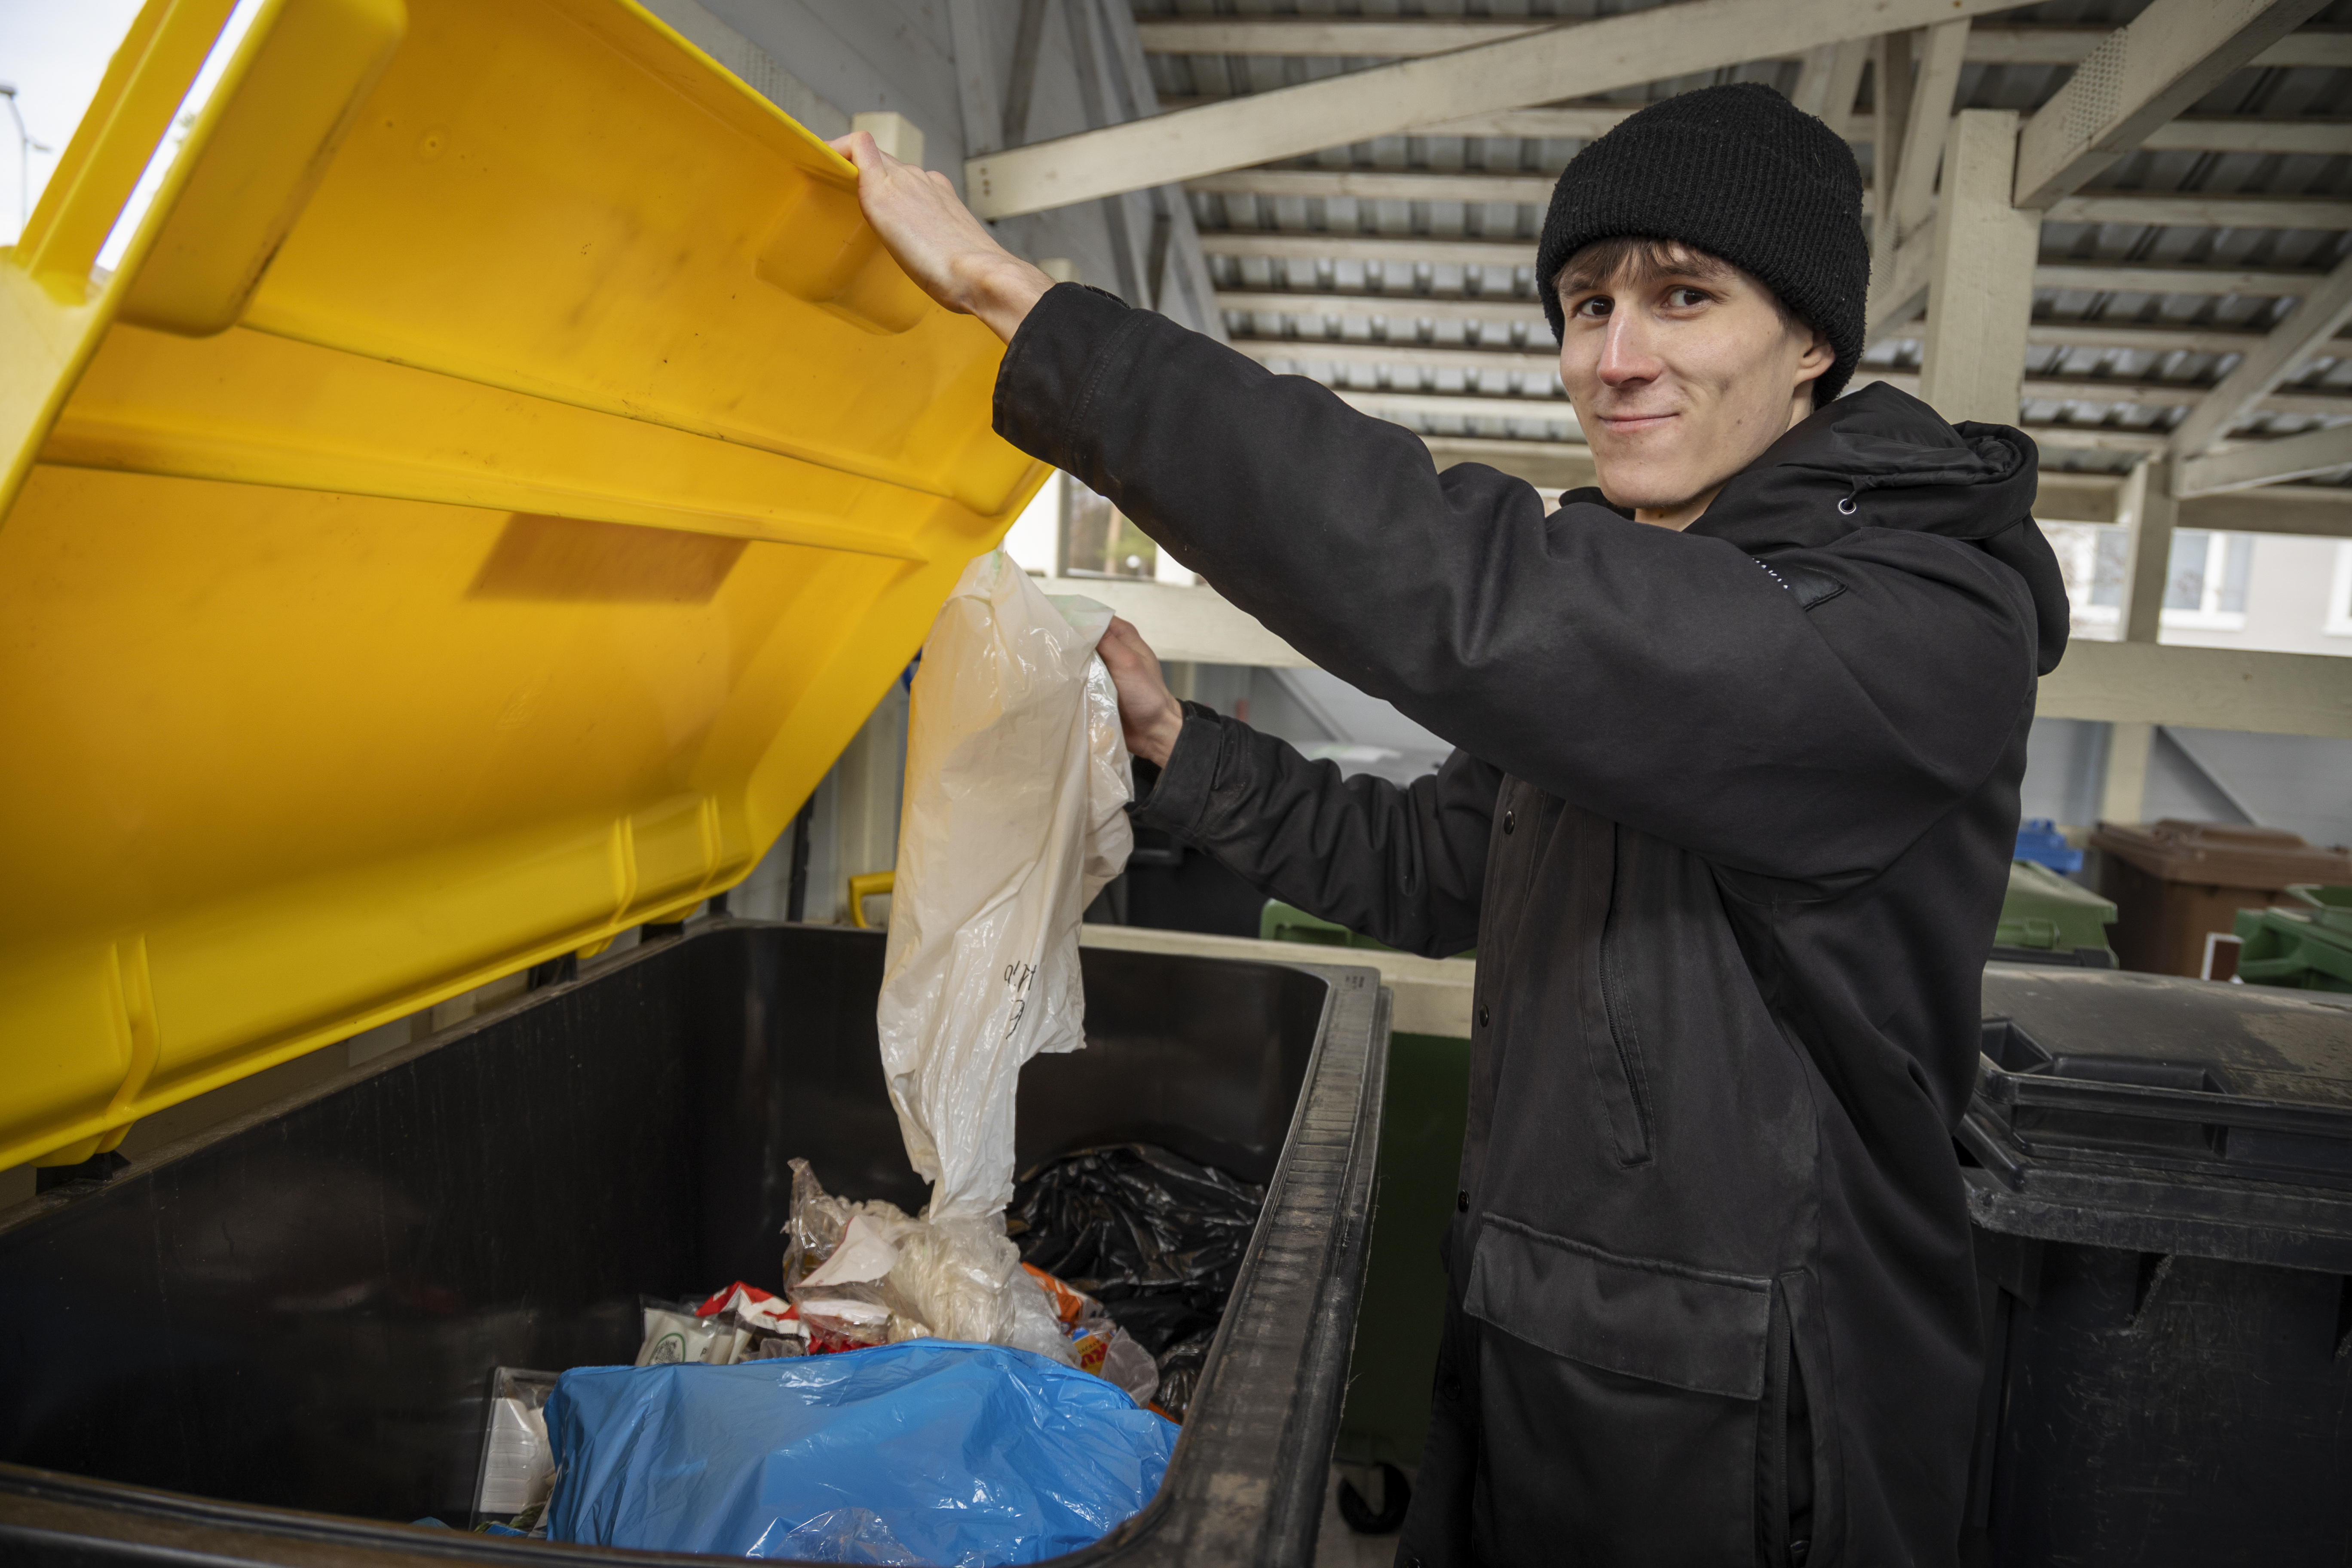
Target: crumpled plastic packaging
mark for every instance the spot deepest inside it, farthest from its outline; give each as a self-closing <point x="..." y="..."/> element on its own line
<point x="1103" y="1347"/>
<point x="1016" y="781"/>
<point x="865" y="1273"/>
<point x="925" y="1452"/>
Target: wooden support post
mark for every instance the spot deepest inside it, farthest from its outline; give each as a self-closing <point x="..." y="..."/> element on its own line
<point x="893" y="132"/>
<point x="1981" y="289"/>
<point x="2123" y="797"/>
<point x="1941" y="48"/>
<point x="2148" y="510"/>
<point x="1891" y="95"/>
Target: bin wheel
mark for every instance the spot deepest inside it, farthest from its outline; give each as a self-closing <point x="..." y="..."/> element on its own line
<point x="1396" y="1494"/>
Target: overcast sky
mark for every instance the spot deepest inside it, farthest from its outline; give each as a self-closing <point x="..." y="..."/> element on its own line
<point x="53" y="52"/>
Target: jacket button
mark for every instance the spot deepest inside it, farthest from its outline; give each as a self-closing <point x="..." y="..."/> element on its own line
<point x="1462" y="1201"/>
<point x="1510" y="820"/>
<point x="1484" y="1018"/>
<point x="1452" y="1389"/>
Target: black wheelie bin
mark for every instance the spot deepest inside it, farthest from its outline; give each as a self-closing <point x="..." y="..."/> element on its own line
<point x="2160" y="1173"/>
<point x="457" y="527"/>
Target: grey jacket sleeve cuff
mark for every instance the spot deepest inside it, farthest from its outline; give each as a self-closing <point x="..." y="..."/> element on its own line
<point x="1179" y="801"/>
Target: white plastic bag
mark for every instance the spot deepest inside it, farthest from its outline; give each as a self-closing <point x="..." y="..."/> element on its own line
<point x="1016" y="775"/>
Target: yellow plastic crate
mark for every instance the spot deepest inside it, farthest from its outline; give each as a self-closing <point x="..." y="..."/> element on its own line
<point x="503" y="473"/>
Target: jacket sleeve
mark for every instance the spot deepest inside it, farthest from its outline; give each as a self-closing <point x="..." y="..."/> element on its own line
<point x="1665" y="681"/>
<point x="1404" y="866"/>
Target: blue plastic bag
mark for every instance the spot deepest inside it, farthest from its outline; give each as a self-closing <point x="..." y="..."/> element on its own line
<point x="925" y="1452"/>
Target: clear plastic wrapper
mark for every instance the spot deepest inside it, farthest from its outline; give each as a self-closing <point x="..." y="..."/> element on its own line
<point x="517" y="1465"/>
<point x="864" y="1273"/>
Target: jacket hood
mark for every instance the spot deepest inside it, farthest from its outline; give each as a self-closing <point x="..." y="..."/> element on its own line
<point x="1882" y="458"/>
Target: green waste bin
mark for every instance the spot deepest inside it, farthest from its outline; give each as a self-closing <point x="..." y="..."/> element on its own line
<point x="1280" y="922"/>
<point x="1402" y="1308"/>
<point x="2306" y="943"/>
<point x="2046" y="919"/>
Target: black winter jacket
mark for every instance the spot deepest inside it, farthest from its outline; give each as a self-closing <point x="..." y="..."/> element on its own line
<point x="1729" y="825"/>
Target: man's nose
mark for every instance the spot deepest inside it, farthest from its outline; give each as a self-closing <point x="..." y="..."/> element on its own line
<point x="1626" y="352"/>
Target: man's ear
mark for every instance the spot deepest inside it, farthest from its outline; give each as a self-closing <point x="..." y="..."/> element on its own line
<point x="1817" y="359"/>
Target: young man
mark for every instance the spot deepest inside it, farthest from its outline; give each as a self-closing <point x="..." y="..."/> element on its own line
<point x="1740" y="732"/>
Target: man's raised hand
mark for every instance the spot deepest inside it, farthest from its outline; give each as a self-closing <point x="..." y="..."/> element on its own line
<point x="946" y="250"/>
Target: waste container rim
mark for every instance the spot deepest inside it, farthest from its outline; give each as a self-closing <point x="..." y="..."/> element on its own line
<point x="1294" y="1304"/>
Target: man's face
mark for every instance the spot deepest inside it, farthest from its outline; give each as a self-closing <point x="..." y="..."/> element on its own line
<point x="1682" y="370"/>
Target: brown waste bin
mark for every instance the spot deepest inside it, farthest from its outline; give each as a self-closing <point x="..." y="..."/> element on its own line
<point x="2174" y="881"/>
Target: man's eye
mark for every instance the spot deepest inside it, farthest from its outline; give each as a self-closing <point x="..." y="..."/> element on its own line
<point x="1596" y="307"/>
<point x="1685" y="298"/>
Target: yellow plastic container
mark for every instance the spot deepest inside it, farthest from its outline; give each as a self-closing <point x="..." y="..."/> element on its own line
<point x="501" y="475"/>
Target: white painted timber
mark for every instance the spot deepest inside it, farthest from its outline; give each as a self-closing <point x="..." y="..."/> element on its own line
<point x="2322" y="138"/>
<point x="1911" y="264"/>
<point x="1501" y="311"/>
<point x="1452" y="405"/>
<point x="1980" y="286"/>
<point x="2150" y="515"/>
<point x="1194" y="625"/>
<point x="1379" y="185"/>
<point x="2094" y="439"/>
<point x="1898" y="284"/>
<point x="1931" y="111"/>
<point x="2171" y="54"/>
<point x="2316" y="135"/>
<point x="1547" y="465"/>
<point x="1351" y="38"/>
<point x="1505" y="310"/>
<point x="2322" y="511"/>
<point x="2194" y="211"/>
<point x="1269" y="246"/>
<point x="1433" y="356"/>
<point x="1337" y="38"/>
<point x="2120" y="391"/>
<point x="2320" y="315"/>
<point x="2206" y="211"/>
<point x="2203" y="688"/>
<point x="1428" y="996"/>
<point x="1567" y="61"/>
<point x="2252" y="463"/>
<point x="2288" y="694"/>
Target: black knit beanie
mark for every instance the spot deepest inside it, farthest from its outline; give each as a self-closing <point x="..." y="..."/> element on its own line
<point x="1742" y="173"/>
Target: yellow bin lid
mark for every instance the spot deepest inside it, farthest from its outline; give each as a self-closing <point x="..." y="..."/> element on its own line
<point x="500" y="478"/>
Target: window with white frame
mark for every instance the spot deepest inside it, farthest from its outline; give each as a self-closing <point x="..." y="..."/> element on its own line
<point x="2339" y="594"/>
<point x="2205" y="589"/>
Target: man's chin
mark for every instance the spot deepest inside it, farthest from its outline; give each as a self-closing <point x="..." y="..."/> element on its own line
<point x="1643" y="492"/>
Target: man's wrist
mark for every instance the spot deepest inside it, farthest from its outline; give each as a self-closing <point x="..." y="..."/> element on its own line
<point x="1158" y="742"/>
<point x="1002" y="290"/>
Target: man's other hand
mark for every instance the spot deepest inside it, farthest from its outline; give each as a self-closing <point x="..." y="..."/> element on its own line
<point x="1148" y="711"/>
<point x="946" y="250"/>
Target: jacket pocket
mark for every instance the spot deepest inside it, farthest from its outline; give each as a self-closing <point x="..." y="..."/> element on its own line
<point x="1631" y="1125"/>
<point x="1694" y="1328"/>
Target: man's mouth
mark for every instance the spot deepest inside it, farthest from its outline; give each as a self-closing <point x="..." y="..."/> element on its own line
<point x="1630" y="423"/>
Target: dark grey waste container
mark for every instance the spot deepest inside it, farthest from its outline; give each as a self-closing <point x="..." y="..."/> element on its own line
<point x="2161" y="1171"/>
<point x="298" y="1312"/>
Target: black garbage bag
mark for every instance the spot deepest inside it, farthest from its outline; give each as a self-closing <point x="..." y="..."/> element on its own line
<point x="1155" y="1237"/>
